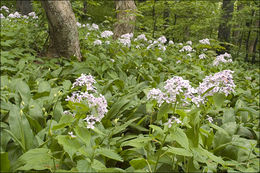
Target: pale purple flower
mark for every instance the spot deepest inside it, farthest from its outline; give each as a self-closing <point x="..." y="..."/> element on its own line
<point x="173" y="120"/>
<point x="94" y="27"/>
<point x="171" y="42"/>
<point x="106" y="34"/>
<point x="78" y="24"/>
<point x="189" y="42"/>
<point x="187" y="48"/>
<point x="210" y="119"/>
<point x="205" y="41"/>
<point x="5" y="8"/>
<point x="97" y="42"/>
<point x="221" y="58"/>
<point x="85" y="80"/>
<point x="2" y="16"/>
<point x="156" y="94"/>
<point x="107" y="42"/>
<point x="72" y="135"/>
<point x="202" y="56"/>
<point x="140" y="37"/>
<point x="162" y="39"/>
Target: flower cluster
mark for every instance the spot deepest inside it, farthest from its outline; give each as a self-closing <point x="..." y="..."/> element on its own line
<point x="186" y="48"/>
<point x="189" y="42"/>
<point x="96" y="103"/>
<point x="205" y="41"/>
<point x="172" y="120"/>
<point x="221" y="58"/>
<point x="97" y="42"/>
<point x="5" y="8"/>
<point x="126" y="39"/>
<point x="162" y="39"/>
<point x="140" y="37"/>
<point x="106" y="34"/>
<point x="221" y="82"/>
<point x="202" y="56"/>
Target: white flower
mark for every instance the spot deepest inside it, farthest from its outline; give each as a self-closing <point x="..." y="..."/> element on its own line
<point x="179" y="61"/>
<point x="25" y="16"/>
<point x="210" y="119"/>
<point x="189" y="42"/>
<point x="106" y="34"/>
<point x="159" y="59"/>
<point x="162" y="39"/>
<point x="85" y="80"/>
<point x="125" y="42"/>
<point x="221" y="58"/>
<point x="172" y="120"/>
<point x="94" y="27"/>
<point x="180" y="44"/>
<point x="127" y="36"/>
<point x="204" y="50"/>
<point x="5" y="8"/>
<point x="171" y="42"/>
<point x="112" y="60"/>
<point x="140" y="37"/>
<point x="186" y="48"/>
<point x="2" y="16"/>
<point x="71" y="134"/>
<point x="97" y="42"/>
<point x="202" y="56"/>
<point x="107" y="42"/>
<point x="78" y="24"/>
<point x="205" y="41"/>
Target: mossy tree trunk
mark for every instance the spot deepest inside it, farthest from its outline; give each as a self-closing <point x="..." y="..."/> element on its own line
<point x="63" y="30"/>
<point x="126" y="10"/>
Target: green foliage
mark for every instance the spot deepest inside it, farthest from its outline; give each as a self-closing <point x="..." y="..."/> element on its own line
<point x="133" y="135"/>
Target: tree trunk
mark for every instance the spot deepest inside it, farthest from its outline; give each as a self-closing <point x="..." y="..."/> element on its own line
<point x="254" y="49"/>
<point x="154" y="18"/>
<point x="166" y="15"/>
<point x="224" y="27"/>
<point x="63" y="31"/>
<point x="24" y="6"/>
<point x="248" y="24"/>
<point x="125" y="17"/>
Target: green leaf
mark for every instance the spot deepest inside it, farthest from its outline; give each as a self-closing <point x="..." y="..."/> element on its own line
<point x="20" y="128"/>
<point x="163" y="111"/>
<point x="112" y="170"/>
<point x="110" y="154"/>
<point x="219" y="99"/>
<point x="84" y="134"/>
<point x="35" y="159"/>
<point x="97" y="165"/>
<point x="23" y="90"/>
<point x="84" y="166"/>
<point x="44" y="86"/>
<point x="138" y="163"/>
<point x="118" y="129"/>
<point x="70" y="145"/>
<point x="5" y="163"/>
<point x="229" y="115"/>
<point x="116" y="108"/>
<point x="65" y="120"/>
<point x="179" y="151"/>
<point x="179" y="136"/>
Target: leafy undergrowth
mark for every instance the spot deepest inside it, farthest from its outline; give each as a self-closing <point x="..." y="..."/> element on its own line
<point x="141" y="106"/>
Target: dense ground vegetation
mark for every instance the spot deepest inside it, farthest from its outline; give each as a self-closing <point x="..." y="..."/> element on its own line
<point x="136" y="104"/>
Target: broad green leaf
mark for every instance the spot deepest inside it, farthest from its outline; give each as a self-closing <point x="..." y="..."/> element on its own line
<point x="112" y="170"/>
<point x="65" y="120"/>
<point x="97" y="165"/>
<point x="84" y="134"/>
<point x="44" y="86"/>
<point x="163" y="111"/>
<point x="20" y="128"/>
<point x="110" y="154"/>
<point x="70" y="145"/>
<point x="179" y="136"/>
<point x="118" y="129"/>
<point x="138" y="163"/>
<point x="179" y="151"/>
<point x="228" y="116"/>
<point x="35" y="159"/>
<point x="219" y="99"/>
<point x="84" y="166"/>
<point x="5" y="163"/>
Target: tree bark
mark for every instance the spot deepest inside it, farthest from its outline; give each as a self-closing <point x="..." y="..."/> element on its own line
<point x="248" y="24"/>
<point x="63" y="31"/>
<point x="24" y="6"/>
<point x="154" y="18"/>
<point x="166" y="16"/>
<point x="224" y="27"/>
<point x="125" y="17"/>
